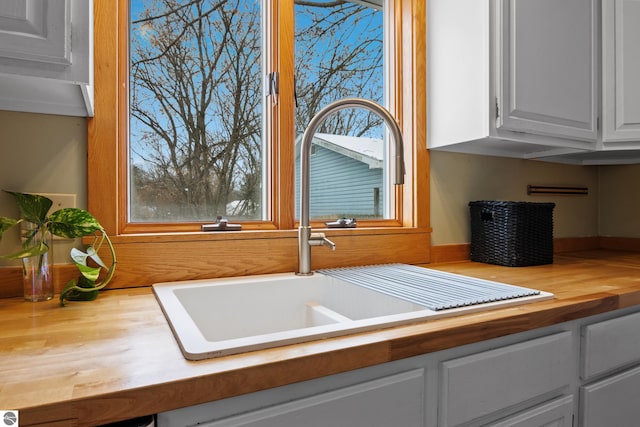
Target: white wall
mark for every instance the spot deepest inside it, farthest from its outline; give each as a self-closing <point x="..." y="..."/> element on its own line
<point x="620" y="201"/>
<point x="41" y="154"/>
<point x="457" y="179"/>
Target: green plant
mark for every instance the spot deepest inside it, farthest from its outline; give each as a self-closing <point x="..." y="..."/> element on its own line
<point x="69" y="223"/>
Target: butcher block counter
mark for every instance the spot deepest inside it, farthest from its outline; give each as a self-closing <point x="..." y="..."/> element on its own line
<point x="96" y="362"/>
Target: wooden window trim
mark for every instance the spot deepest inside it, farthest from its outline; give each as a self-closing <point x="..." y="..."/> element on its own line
<point x="148" y="257"/>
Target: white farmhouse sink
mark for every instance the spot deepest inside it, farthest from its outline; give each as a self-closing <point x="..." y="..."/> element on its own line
<point x="217" y="317"/>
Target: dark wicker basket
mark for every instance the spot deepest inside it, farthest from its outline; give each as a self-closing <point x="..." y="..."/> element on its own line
<point x="514" y="234"/>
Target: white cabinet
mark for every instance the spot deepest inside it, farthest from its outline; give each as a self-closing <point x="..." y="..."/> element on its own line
<point x="607" y="348"/>
<point x="511" y="381"/>
<point x="612" y="402"/>
<point x="535" y="79"/>
<point x="513" y="78"/>
<point x="609" y="345"/>
<point x="46" y="56"/>
<point x="580" y="373"/>
<point x="620" y="71"/>
<point x="489" y="383"/>
<point x="396" y="399"/>
<point x="619" y="139"/>
<point x="546" y="80"/>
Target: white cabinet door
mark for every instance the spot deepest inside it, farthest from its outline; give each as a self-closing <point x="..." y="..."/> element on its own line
<point x="609" y="345"/>
<point x="395" y="400"/>
<point x="547" y="67"/>
<point x="557" y="413"/>
<point x="489" y="383"/>
<point x="514" y="78"/>
<point x="36" y="31"/>
<point x="46" y="56"/>
<point x="612" y="402"/>
<point x="620" y="69"/>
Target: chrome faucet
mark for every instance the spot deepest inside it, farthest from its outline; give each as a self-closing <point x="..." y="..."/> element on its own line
<point x="306" y="238"/>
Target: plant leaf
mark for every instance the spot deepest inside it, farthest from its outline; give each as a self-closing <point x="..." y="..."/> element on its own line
<point x="7" y="223"/>
<point x="76" y="295"/>
<point x="73" y="222"/>
<point x="33" y="207"/>
<point x="82" y="290"/>
<point x="85" y="289"/>
<point x="91" y="252"/>
<point x="91" y="273"/>
<point x="78" y="256"/>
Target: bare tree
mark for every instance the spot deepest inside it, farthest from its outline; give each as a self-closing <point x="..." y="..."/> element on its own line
<point x="196" y="103"/>
<point x="335" y="59"/>
<point x="195" y="77"/>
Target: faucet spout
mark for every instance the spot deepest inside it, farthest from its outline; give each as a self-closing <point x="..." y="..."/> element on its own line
<point x="306" y="239"/>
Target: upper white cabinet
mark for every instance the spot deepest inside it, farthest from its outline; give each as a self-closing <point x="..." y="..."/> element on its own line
<point x="46" y="56"/>
<point x="523" y="78"/>
<point x="545" y="68"/>
<point x="620" y="71"/>
<point x="512" y="77"/>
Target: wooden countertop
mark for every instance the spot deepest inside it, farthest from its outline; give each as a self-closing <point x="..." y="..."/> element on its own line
<point x="115" y="358"/>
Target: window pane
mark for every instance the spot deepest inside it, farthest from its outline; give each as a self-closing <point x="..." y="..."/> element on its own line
<point x="195" y="116"/>
<point x="340" y="52"/>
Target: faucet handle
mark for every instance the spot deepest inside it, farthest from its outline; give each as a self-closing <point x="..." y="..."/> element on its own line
<point x="319" y="239"/>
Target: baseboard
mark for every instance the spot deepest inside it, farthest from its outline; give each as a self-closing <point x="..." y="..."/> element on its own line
<point x="450" y="253"/>
<point x="620" y="243"/>
<point x="11" y="279"/>
<point x="573" y="244"/>
<point x="460" y="252"/>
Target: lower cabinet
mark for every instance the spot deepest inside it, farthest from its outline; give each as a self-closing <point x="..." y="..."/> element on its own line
<point x="614" y="401"/>
<point x="610" y="394"/>
<point x="394" y="400"/>
<point x="488" y="384"/>
<point x="558" y="376"/>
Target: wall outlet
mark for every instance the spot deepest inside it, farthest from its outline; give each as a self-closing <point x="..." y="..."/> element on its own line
<point x="60" y="201"/>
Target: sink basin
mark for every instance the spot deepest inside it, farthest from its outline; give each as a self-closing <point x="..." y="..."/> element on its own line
<point x="217" y="317"/>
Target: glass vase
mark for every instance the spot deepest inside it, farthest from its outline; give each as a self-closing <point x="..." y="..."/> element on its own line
<point x="37" y="271"/>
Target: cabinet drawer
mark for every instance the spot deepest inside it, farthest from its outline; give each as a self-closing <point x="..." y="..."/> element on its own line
<point x="388" y="401"/>
<point x="612" y="402"/>
<point x="481" y="384"/>
<point x="610" y="344"/>
<point x="557" y="413"/>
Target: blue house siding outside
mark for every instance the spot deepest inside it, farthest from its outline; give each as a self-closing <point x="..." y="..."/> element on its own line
<point x="343" y="183"/>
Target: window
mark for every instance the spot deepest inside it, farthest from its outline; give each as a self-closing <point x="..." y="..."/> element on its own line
<point x="196" y="143"/>
<point x="341" y="50"/>
<point x="162" y="239"/>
